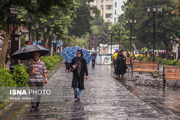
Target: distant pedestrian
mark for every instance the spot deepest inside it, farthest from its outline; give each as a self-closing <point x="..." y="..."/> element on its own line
<point x="80" y="69"/>
<point x="37" y="76"/>
<point x="121" y="64"/>
<point x="68" y="66"/>
<point x="115" y="61"/>
<point x="93" y="57"/>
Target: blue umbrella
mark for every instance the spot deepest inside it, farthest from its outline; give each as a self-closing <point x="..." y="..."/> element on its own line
<point x="71" y="52"/>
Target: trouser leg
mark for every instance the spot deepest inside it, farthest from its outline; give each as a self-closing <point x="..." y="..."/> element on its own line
<point x="35" y="86"/>
<point x="115" y="67"/>
<point x="79" y="93"/>
<point x="75" y="92"/>
<point x="39" y="88"/>
<point x="33" y="97"/>
<point x="122" y="76"/>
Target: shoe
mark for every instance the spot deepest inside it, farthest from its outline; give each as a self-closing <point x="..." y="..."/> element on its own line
<point x="36" y="109"/>
<point x="33" y="108"/>
<point x="78" y="99"/>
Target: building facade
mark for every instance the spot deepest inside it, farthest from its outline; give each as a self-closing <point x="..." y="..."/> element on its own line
<point x="110" y="9"/>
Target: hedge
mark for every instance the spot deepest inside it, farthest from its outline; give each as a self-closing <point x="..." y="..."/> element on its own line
<point x="20" y="75"/>
<point x="6" y="80"/>
<point x="160" y="60"/>
<point x="52" y="61"/>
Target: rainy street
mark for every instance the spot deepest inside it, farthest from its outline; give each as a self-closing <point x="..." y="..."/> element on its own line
<point x="104" y="98"/>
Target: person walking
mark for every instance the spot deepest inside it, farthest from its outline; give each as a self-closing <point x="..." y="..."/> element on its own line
<point x="121" y="64"/>
<point x="79" y="68"/>
<point x="93" y="56"/>
<point x="68" y="66"/>
<point x="115" y="61"/>
<point x="37" y="77"/>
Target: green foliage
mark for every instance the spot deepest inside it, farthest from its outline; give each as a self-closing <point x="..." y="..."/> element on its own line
<point x="144" y="49"/>
<point x="161" y="61"/>
<point x="82" y="41"/>
<point x="81" y="23"/>
<point x="167" y="24"/>
<point x="6" y="79"/>
<point x="36" y="8"/>
<point x="139" y="57"/>
<point x="51" y="61"/>
<point x="121" y="35"/>
<point x="20" y="75"/>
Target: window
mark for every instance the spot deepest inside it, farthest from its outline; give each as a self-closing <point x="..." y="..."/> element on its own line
<point x="115" y="4"/>
<point x="102" y="7"/>
<point x="102" y="1"/>
<point x="109" y="7"/>
<point x="108" y="15"/>
<point x="115" y="12"/>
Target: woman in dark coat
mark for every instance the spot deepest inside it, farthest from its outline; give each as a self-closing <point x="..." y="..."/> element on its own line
<point x="79" y="67"/>
<point x="121" y="64"/>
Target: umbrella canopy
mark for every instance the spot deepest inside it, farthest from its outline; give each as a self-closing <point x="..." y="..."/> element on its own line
<point x="71" y="52"/>
<point x="116" y="49"/>
<point x="26" y="53"/>
<point x="163" y="51"/>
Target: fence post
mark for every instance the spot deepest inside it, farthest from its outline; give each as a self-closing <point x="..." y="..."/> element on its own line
<point x="132" y="69"/>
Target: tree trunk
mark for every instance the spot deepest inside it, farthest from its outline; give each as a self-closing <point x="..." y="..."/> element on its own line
<point x="43" y="42"/>
<point x="3" y="53"/>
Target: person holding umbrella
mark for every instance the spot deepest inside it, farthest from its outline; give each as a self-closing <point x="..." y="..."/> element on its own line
<point x="36" y="69"/>
<point x="80" y="69"/>
<point x="37" y="77"/>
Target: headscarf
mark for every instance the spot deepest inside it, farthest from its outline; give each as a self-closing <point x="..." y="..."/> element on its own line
<point x="79" y="62"/>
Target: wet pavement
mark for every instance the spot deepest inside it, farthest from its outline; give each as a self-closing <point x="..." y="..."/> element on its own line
<point x="167" y="102"/>
<point x="103" y="99"/>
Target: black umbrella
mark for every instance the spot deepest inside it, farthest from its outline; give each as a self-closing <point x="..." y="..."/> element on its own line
<point x="26" y="53"/>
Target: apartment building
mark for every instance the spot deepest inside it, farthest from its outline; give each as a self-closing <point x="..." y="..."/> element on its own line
<point x="110" y="9"/>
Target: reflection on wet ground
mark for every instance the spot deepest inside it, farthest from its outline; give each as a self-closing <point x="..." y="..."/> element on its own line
<point x="166" y="102"/>
<point x="103" y="99"/>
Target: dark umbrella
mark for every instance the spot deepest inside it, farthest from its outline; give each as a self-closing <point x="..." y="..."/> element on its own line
<point x="26" y="53"/>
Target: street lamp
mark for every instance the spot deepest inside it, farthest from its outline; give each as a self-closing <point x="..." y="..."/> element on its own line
<point x="37" y="27"/>
<point x="131" y="22"/>
<point x="54" y="43"/>
<point x="112" y="33"/>
<point x="50" y="39"/>
<point x="45" y="31"/>
<point x="154" y="10"/>
<point x="13" y="10"/>
<point x="29" y="28"/>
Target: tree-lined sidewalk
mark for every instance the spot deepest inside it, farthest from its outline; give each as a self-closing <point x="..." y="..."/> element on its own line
<point x="103" y="99"/>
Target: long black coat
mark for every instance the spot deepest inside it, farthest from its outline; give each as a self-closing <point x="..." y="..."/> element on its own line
<point x="121" y="64"/>
<point x="78" y="80"/>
